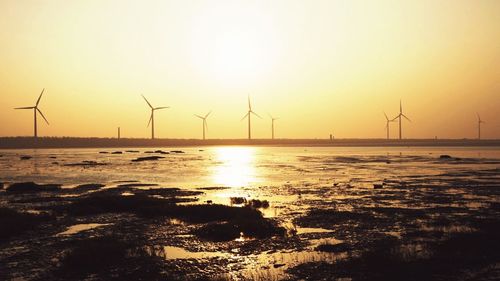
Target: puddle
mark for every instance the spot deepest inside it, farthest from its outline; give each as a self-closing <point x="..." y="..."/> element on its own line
<point x="175" y="253"/>
<point x="305" y="230"/>
<point x="81" y="227"/>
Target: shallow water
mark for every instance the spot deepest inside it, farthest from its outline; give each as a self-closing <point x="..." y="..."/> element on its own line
<point x="240" y="166"/>
<point x="418" y="191"/>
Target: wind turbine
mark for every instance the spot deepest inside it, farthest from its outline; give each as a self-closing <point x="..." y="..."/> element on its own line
<point x="399" y="117"/>
<point x="152" y="118"/>
<point x="479" y="122"/>
<point x="35" y="110"/>
<point x="205" y="125"/>
<point x="387" y="122"/>
<point x="272" y="125"/>
<point x="249" y="114"/>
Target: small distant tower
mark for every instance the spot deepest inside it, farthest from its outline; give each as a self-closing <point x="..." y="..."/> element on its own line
<point x="331" y="137"/>
<point x="119" y="136"/>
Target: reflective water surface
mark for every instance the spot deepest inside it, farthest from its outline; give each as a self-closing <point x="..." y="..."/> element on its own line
<point x="333" y="202"/>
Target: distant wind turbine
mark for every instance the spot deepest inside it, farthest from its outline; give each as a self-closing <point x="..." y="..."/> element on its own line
<point x="387" y="122"/>
<point x="205" y="124"/>
<point x="479" y="122"/>
<point x="249" y="114"/>
<point x="272" y="125"/>
<point x="35" y="110"/>
<point x="399" y="117"/>
<point x="152" y="118"/>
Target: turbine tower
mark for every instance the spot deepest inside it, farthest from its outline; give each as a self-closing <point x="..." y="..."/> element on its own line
<point x="387" y="122"/>
<point x="479" y="122"/>
<point x="272" y="125"/>
<point x="152" y="118"/>
<point x="35" y="110"/>
<point x="399" y="117"/>
<point x="205" y="125"/>
<point x="249" y="114"/>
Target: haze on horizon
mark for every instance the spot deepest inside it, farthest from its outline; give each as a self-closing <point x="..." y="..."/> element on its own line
<point x="320" y="66"/>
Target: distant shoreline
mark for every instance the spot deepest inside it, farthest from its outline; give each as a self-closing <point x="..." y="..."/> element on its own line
<point x="71" y="142"/>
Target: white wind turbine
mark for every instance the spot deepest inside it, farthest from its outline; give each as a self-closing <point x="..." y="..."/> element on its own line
<point x="205" y="124"/>
<point x="35" y="111"/>
<point x="387" y="122"/>
<point x="248" y="115"/>
<point x="479" y="122"/>
<point x="399" y="117"/>
<point x="272" y="125"/>
<point x="152" y="118"/>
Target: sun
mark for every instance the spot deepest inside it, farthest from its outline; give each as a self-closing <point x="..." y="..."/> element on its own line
<point x="234" y="45"/>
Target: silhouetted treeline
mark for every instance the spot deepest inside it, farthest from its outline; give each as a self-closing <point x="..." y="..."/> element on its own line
<point x="70" y="142"/>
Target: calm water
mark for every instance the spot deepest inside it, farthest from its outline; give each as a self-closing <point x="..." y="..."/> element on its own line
<point x="239" y="166"/>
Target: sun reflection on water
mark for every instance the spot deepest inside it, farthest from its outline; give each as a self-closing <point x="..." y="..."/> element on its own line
<point x="235" y="166"/>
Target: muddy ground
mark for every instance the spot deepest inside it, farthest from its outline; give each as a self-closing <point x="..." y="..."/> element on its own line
<point x="442" y="226"/>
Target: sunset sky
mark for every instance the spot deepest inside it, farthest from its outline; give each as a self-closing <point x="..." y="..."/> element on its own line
<point x="320" y="66"/>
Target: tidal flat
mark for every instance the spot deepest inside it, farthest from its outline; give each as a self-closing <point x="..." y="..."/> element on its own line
<point x="250" y="213"/>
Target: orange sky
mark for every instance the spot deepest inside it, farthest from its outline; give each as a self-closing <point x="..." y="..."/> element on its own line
<point x="321" y="66"/>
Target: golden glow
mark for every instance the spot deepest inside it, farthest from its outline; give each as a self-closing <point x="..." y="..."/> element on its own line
<point x="322" y="66"/>
<point x="234" y="46"/>
<point x="235" y="167"/>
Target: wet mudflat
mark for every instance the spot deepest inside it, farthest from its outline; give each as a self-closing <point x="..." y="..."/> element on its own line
<point x="240" y="213"/>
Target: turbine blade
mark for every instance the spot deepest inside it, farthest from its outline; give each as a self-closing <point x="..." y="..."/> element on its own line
<point x="245" y="116"/>
<point x="38" y="100"/>
<point x="208" y="113"/>
<point x="255" y="114"/>
<point x="205" y="124"/>
<point x="39" y="111"/>
<point x="28" y="107"/>
<point x="147" y="101"/>
<point x="386" y="118"/>
<point x="201" y="117"/>
<point x="406" y="117"/>
<point x="249" y="104"/>
<point x="161" y="107"/>
<point x="150" y="119"/>
<point x="400" y="107"/>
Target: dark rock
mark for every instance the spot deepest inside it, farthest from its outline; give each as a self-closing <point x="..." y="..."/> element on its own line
<point x="149" y="158"/>
<point x="333" y="248"/>
<point x="31" y="187"/>
<point x="444" y="156"/>
<point x="14" y="223"/>
<point x="25" y="157"/>
<point x="237" y="200"/>
<point x="90" y="186"/>
<point x="256" y="203"/>
<point x="132" y="151"/>
<point x="86" y="164"/>
<point x="161" y="152"/>
<point x="177" y="151"/>
<point x="103" y="152"/>
<point x="378" y="186"/>
<point x="116" y="152"/>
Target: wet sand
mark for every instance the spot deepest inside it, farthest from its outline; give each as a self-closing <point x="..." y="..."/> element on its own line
<point x="320" y="215"/>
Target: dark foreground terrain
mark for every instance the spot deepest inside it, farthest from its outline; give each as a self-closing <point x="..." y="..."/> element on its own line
<point x="439" y="225"/>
